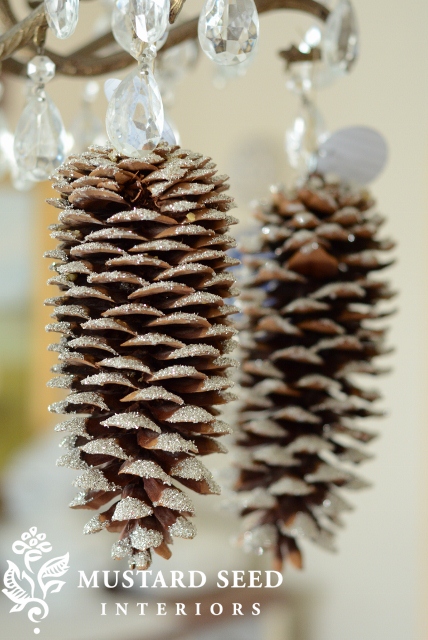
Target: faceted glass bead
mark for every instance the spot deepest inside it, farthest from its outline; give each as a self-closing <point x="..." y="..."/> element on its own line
<point x="228" y="30"/>
<point x="135" y="116"/>
<point x="121" y="25"/>
<point x="340" y="41"/>
<point x="150" y="18"/>
<point x="62" y="16"/>
<point x="41" y="69"/>
<point x="40" y="139"/>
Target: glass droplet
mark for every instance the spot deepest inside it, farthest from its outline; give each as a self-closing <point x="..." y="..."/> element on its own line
<point x="62" y="16"/>
<point x="41" y="69"/>
<point x="135" y="116"/>
<point x="40" y="139"/>
<point x="121" y="25"/>
<point x="228" y="30"/>
<point x="150" y="18"/>
<point x="340" y="41"/>
<point x="303" y="138"/>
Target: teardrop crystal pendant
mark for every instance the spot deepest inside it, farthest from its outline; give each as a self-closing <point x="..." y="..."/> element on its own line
<point x="150" y="18"/>
<point x="40" y="140"/>
<point x="121" y="26"/>
<point x="62" y="16"/>
<point x="303" y="138"/>
<point x="228" y="30"/>
<point x="135" y="116"/>
<point x="340" y="41"/>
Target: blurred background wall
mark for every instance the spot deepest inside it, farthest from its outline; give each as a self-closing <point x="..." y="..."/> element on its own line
<point x="376" y="587"/>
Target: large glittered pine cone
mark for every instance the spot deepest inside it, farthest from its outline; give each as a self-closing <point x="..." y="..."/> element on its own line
<point x="310" y="302"/>
<point x="141" y="266"/>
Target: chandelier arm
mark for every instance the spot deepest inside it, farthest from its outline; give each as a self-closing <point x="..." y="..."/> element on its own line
<point x="84" y="62"/>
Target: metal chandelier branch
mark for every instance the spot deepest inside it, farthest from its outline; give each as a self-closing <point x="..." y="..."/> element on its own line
<point x="20" y="39"/>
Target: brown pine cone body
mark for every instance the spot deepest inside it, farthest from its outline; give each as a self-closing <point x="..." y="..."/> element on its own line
<point x="141" y="266"/>
<point x="309" y="307"/>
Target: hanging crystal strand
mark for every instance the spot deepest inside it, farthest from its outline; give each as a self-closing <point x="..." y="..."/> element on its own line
<point x="341" y="38"/>
<point x="6" y="141"/>
<point x="40" y="139"/>
<point x="62" y="16"/>
<point x="87" y="128"/>
<point x="228" y="30"/>
<point x="135" y="115"/>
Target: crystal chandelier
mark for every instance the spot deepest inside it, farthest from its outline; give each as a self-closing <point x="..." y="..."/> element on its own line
<point x="228" y="32"/>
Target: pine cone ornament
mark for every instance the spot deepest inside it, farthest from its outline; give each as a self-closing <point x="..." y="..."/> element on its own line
<point x="310" y="303"/>
<point x="142" y="268"/>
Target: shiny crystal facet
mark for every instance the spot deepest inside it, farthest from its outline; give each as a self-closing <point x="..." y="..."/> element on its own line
<point x="340" y="41"/>
<point x="40" y="137"/>
<point x="135" y="116"/>
<point x="121" y="25"/>
<point x="149" y="18"/>
<point x="303" y="138"/>
<point x="228" y="30"/>
<point x="62" y="16"/>
<point x="41" y="69"/>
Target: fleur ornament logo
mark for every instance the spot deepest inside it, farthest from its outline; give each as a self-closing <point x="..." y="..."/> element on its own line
<point x="28" y="588"/>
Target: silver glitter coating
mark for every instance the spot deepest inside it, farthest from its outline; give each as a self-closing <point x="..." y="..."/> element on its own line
<point x="199" y="297"/>
<point x="121" y="549"/>
<point x="297" y="414"/>
<point x="222" y="239"/>
<point x="115" y="276"/>
<point x="133" y="308"/>
<point x="136" y="259"/>
<point x="219" y="427"/>
<point x="76" y="266"/>
<point x="202" y="254"/>
<point x="100" y="379"/>
<point x="327" y="473"/>
<point x="161" y="287"/>
<point x="95" y="247"/>
<point x="224" y="362"/>
<point x="190" y="413"/>
<point x="56" y="254"/>
<point x="146" y="469"/>
<point x="176" y="500"/>
<point x="113" y="233"/>
<point x="142" y="538"/>
<point x="153" y="340"/>
<point x="105" y="447"/>
<point x="177" y="371"/>
<point x="179" y="206"/>
<point x="153" y="393"/>
<point x="94" y="480"/>
<point x="274" y="455"/>
<point x="184" y="269"/>
<point x="216" y="383"/>
<point x="174" y="443"/>
<point x="60" y="327"/>
<point x="182" y="528"/>
<point x="131" y="421"/>
<point x="124" y="362"/>
<point x="88" y="292"/>
<point x="104" y="324"/>
<point x="194" y="351"/>
<point x="95" y="525"/>
<point x="145" y="215"/>
<point x="189" y="188"/>
<point x="288" y="485"/>
<point x="72" y="460"/>
<point x="87" y="397"/>
<point x="91" y="342"/>
<point x="140" y="561"/>
<point x="61" y="281"/>
<point x="221" y="330"/>
<point x="161" y="245"/>
<point x="80" y="500"/>
<point x="190" y="468"/>
<point x="181" y="318"/>
<point x="69" y="442"/>
<point x="61" y="382"/>
<point x="76" y="426"/>
<point x="70" y="310"/>
<point x="131" y="509"/>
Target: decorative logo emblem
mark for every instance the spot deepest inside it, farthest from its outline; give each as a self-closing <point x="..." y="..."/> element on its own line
<point x="27" y="587"/>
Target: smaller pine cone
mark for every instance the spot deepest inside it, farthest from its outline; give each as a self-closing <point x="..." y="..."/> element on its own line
<point x="309" y="307"/>
<point x="142" y="268"/>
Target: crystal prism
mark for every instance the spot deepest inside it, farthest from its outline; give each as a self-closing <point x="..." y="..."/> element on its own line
<point x="121" y="25"/>
<point x="303" y="138"/>
<point x="40" y="139"/>
<point x="228" y="30"/>
<point x="6" y="144"/>
<point x="135" y="116"/>
<point x="340" y="41"/>
<point x="62" y="16"/>
<point x="150" y="18"/>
